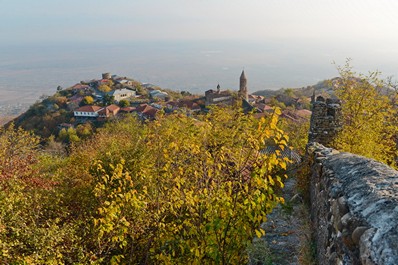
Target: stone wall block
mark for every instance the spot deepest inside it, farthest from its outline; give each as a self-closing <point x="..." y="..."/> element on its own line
<point x="346" y="219"/>
<point x="334" y="259"/>
<point x="365" y="252"/>
<point x="342" y="205"/>
<point x="336" y="191"/>
<point x="347" y="239"/>
<point x="339" y="225"/>
<point x="358" y="232"/>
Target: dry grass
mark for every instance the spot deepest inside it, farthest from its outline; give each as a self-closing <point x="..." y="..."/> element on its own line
<point x="259" y="253"/>
<point x="307" y="252"/>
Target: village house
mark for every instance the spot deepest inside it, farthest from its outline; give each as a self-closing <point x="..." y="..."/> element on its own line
<point x="148" y="86"/>
<point x="189" y="104"/>
<point x="254" y="98"/>
<point x="127" y="110"/>
<point x="79" y="87"/>
<point x="157" y="94"/>
<point x="75" y="99"/>
<point x="120" y="94"/>
<point x="91" y="83"/>
<point x="296" y="115"/>
<point x="102" y="82"/>
<point x="109" y="111"/>
<point x="261" y="107"/>
<point x="146" y="112"/>
<point x="89" y="111"/>
<point x="124" y="82"/>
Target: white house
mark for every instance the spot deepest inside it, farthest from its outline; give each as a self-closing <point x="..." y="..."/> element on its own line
<point x="120" y="94"/>
<point x="88" y="111"/>
<point x="158" y="94"/>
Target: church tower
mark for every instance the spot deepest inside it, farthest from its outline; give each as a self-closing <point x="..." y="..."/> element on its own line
<point x="243" y="86"/>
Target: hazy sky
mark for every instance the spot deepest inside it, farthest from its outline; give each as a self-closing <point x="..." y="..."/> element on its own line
<point x="193" y="44"/>
<point x="336" y="21"/>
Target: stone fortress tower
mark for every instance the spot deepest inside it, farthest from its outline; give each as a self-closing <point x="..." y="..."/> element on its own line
<point x="243" y="86"/>
<point x="106" y="76"/>
<point x="326" y="120"/>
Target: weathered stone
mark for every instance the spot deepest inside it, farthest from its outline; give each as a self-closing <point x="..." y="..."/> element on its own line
<point x="336" y="191"/>
<point x="347" y="239"/>
<point x="346" y="219"/>
<point x="333" y="259"/>
<point x="356" y="235"/>
<point x="339" y="225"/>
<point x="334" y="152"/>
<point x="342" y="205"/>
<point x="365" y="246"/>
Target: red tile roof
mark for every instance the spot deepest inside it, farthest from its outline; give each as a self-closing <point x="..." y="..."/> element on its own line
<point x="141" y="107"/>
<point x="89" y="108"/>
<point x="113" y="107"/>
<point x="189" y="104"/>
<point x="296" y="115"/>
<point x="263" y="107"/>
<point x="150" y="112"/>
<point x="127" y="109"/>
<point x="80" y="86"/>
<point x="104" y="111"/>
<point x="147" y="110"/>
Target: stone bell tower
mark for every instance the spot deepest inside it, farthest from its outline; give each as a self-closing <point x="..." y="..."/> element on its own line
<point x="243" y="86"/>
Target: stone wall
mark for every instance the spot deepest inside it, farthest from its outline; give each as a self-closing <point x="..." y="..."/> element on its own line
<point x="354" y="208"/>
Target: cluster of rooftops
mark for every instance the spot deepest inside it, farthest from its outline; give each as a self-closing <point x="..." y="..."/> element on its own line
<point x="147" y="106"/>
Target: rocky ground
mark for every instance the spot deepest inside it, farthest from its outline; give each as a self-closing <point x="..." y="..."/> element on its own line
<point x="286" y="232"/>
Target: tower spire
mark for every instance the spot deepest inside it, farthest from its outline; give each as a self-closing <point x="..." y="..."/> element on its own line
<point x="243" y="85"/>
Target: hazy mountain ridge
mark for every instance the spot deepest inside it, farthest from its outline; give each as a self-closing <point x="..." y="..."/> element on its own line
<point x="322" y="87"/>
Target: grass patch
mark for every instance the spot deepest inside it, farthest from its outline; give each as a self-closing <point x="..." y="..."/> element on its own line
<point x="259" y="253"/>
<point x="287" y="207"/>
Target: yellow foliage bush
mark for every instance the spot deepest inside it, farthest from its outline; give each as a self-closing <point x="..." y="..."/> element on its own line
<point x="198" y="194"/>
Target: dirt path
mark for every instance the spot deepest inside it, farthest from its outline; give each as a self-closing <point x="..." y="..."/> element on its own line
<point x="281" y="244"/>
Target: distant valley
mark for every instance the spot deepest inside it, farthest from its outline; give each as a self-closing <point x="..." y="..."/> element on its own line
<point x="30" y="71"/>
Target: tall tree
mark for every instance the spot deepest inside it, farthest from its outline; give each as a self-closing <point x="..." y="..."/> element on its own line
<point x="369" y="117"/>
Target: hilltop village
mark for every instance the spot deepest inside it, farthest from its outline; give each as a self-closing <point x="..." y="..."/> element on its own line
<point x="76" y="111"/>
